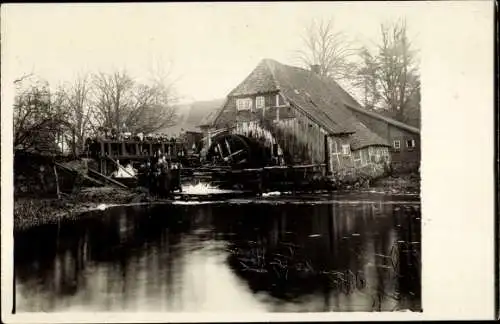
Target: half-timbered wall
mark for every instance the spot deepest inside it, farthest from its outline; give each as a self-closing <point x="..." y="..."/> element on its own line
<point x="298" y="136"/>
<point x="403" y="155"/>
<point x="277" y="123"/>
<point x="372" y="159"/>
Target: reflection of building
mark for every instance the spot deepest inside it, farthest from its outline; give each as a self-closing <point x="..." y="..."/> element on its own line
<point x="138" y="259"/>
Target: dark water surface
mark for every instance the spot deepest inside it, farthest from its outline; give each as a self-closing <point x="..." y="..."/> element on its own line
<point x="345" y="253"/>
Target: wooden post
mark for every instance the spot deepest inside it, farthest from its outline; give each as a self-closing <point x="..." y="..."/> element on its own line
<point x="74" y="142"/>
<point x="219" y="148"/>
<point x="228" y="149"/>
<point x="57" y="183"/>
<point x="179" y="179"/>
<point x="327" y="156"/>
<point x="102" y="149"/>
<point x="124" y="149"/>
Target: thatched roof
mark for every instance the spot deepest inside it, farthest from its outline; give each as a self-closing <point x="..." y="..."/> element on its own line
<point x="320" y="98"/>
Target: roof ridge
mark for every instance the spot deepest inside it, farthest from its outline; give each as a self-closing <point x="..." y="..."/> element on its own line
<point x="287" y="65"/>
<point x="268" y="63"/>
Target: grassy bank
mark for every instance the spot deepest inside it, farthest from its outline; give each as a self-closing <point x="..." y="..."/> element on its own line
<point x="29" y="211"/>
<point x="399" y="184"/>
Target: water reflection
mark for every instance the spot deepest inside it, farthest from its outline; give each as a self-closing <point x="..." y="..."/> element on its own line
<point x="225" y="257"/>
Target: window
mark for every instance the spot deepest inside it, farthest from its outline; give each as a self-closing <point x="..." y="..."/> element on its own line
<point x="410" y="143"/>
<point x="346" y="149"/>
<point x="397" y="144"/>
<point x="243" y="104"/>
<point x="259" y="102"/>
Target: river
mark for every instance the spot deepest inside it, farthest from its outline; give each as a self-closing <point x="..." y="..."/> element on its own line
<point x="340" y="252"/>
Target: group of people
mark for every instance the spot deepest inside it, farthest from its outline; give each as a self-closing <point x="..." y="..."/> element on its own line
<point x="160" y="176"/>
<point x="112" y="133"/>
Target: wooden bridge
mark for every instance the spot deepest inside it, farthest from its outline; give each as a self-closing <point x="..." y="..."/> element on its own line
<point x="108" y="151"/>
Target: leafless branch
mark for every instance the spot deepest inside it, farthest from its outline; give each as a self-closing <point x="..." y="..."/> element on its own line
<point x="329" y="49"/>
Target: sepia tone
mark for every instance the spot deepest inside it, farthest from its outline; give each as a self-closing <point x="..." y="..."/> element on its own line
<point x="295" y="190"/>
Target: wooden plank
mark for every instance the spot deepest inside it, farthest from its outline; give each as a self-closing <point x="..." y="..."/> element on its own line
<point x="75" y="171"/>
<point x="113" y="181"/>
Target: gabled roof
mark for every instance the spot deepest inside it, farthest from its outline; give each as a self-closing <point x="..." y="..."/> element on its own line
<point x="209" y="118"/>
<point x="260" y="80"/>
<point x="308" y="92"/>
<point x="191" y="115"/>
<point x="319" y="98"/>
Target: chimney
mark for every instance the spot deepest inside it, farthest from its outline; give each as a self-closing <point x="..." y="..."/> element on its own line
<point x="316" y="68"/>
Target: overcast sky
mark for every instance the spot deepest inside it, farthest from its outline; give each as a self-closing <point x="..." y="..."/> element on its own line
<point x="214" y="46"/>
<point x="210" y="47"/>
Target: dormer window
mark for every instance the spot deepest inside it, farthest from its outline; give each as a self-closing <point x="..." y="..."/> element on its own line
<point x="243" y="104"/>
<point x="259" y="102"/>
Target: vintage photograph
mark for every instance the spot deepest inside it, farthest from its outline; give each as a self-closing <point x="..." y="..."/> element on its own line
<point x="216" y="157"/>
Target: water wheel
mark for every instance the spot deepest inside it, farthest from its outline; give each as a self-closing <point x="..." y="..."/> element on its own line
<point x="237" y="151"/>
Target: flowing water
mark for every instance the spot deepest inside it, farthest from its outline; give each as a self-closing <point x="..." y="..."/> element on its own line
<point x="351" y="252"/>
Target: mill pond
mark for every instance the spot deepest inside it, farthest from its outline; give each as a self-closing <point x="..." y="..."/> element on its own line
<point x="316" y="253"/>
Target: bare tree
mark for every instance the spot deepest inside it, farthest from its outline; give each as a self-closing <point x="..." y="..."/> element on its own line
<point x="329" y="49"/>
<point x="123" y="104"/>
<point x="112" y="95"/>
<point x="389" y="79"/>
<point x="78" y="108"/>
<point x="397" y="71"/>
<point x="365" y="78"/>
<point x="38" y="114"/>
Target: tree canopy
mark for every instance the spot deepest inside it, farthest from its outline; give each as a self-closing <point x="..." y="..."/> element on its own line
<point x="78" y="109"/>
